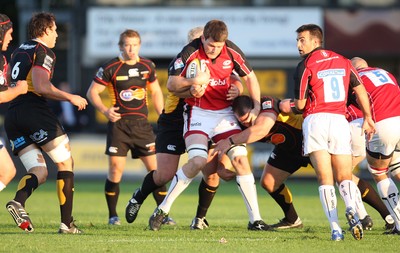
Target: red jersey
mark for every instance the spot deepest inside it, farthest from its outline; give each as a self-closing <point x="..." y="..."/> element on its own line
<point x="384" y="93"/>
<point x="323" y="78"/>
<point x="353" y="113"/>
<point x="231" y="58"/>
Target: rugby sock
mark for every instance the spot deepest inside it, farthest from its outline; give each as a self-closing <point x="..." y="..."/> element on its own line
<point x="206" y="195"/>
<point x="283" y="197"/>
<point x="390" y="196"/>
<point x="111" y="191"/>
<point x="178" y="184"/>
<point x="327" y="196"/>
<point x="148" y="186"/>
<point x="247" y="188"/>
<point x="26" y="186"/>
<point x="371" y="197"/>
<point x="65" y="192"/>
<point x="348" y="191"/>
<point x="159" y="194"/>
<point x="2" y="186"/>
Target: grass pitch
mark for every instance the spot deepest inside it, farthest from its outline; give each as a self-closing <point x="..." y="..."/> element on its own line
<point x="227" y="217"/>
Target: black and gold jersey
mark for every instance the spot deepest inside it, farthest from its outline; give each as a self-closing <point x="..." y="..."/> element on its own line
<point x="286" y="132"/>
<point x="127" y="85"/>
<point x="29" y="55"/>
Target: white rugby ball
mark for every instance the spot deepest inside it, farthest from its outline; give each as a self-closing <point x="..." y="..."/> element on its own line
<point x="193" y="67"/>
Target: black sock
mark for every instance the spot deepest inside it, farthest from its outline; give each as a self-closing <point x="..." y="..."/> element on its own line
<point x="206" y="195"/>
<point x="111" y="190"/>
<point x="148" y="186"/>
<point x="28" y="183"/>
<point x="65" y="192"/>
<point x="159" y="194"/>
<point x="372" y="198"/>
<point x="283" y="197"/>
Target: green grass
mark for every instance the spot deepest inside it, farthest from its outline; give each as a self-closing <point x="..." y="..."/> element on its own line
<point x="227" y="217"/>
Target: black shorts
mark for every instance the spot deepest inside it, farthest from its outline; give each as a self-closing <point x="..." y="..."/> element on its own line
<point x="126" y="134"/>
<point x="30" y="123"/>
<point x="287" y="161"/>
<point x="169" y="138"/>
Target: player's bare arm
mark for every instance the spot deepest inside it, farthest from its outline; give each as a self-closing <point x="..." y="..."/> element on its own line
<point x="43" y="86"/>
<point x="93" y="94"/>
<point x="180" y="83"/>
<point x="156" y="96"/>
<point x="263" y="124"/>
<point x="254" y="90"/>
<point x="21" y="87"/>
<point x="236" y="88"/>
<point x="368" y="126"/>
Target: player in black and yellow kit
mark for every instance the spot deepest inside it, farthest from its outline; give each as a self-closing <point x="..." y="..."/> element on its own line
<point x="32" y="127"/>
<point x="127" y="78"/>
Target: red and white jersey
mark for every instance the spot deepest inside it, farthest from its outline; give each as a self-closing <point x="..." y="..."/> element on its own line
<point x="384" y="92"/>
<point x="323" y="78"/>
<point x="231" y="58"/>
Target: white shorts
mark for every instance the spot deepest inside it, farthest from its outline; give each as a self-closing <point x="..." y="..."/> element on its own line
<point x="387" y="136"/>
<point x="326" y="131"/>
<point x="357" y="137"/>
<point x="210" y="122"/>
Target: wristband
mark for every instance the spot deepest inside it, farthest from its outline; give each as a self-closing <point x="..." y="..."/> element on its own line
<point x="293" y="107"/>
<point x="231" y="141"/>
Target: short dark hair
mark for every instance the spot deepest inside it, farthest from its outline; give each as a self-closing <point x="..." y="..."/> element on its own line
<point x="39" y="23"/>
<point x="242" y="104"/>
<point x="217" y="30"/>
<point x="314" y="30"/>
<point x="128" y="33"/>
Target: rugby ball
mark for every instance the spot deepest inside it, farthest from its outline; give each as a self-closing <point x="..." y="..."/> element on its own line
<point x="193" y="68"/>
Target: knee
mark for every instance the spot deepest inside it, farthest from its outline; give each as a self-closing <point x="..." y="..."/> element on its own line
<point x="41" y="173"/>
<point x="164" y="175"/>
<point x="226" y="174"/>
<point x="212" y="180"/>
<point x="241" y="165"/>
<point x="267" y="185"/>
<point x="197" y="163"/>
<point x="66" y="165"/>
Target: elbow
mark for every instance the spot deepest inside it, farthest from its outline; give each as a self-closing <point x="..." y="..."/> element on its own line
<point x="88" y="95"/>
<point x="42" y="92"/>
<point x="171" y="88"/>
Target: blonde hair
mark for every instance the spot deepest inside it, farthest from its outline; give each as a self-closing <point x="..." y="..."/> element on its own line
<point x="195" y="33"/>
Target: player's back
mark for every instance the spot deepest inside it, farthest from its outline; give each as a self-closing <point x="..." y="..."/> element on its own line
<point x="328" y="75"/>
<point x="384" y="92"/>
